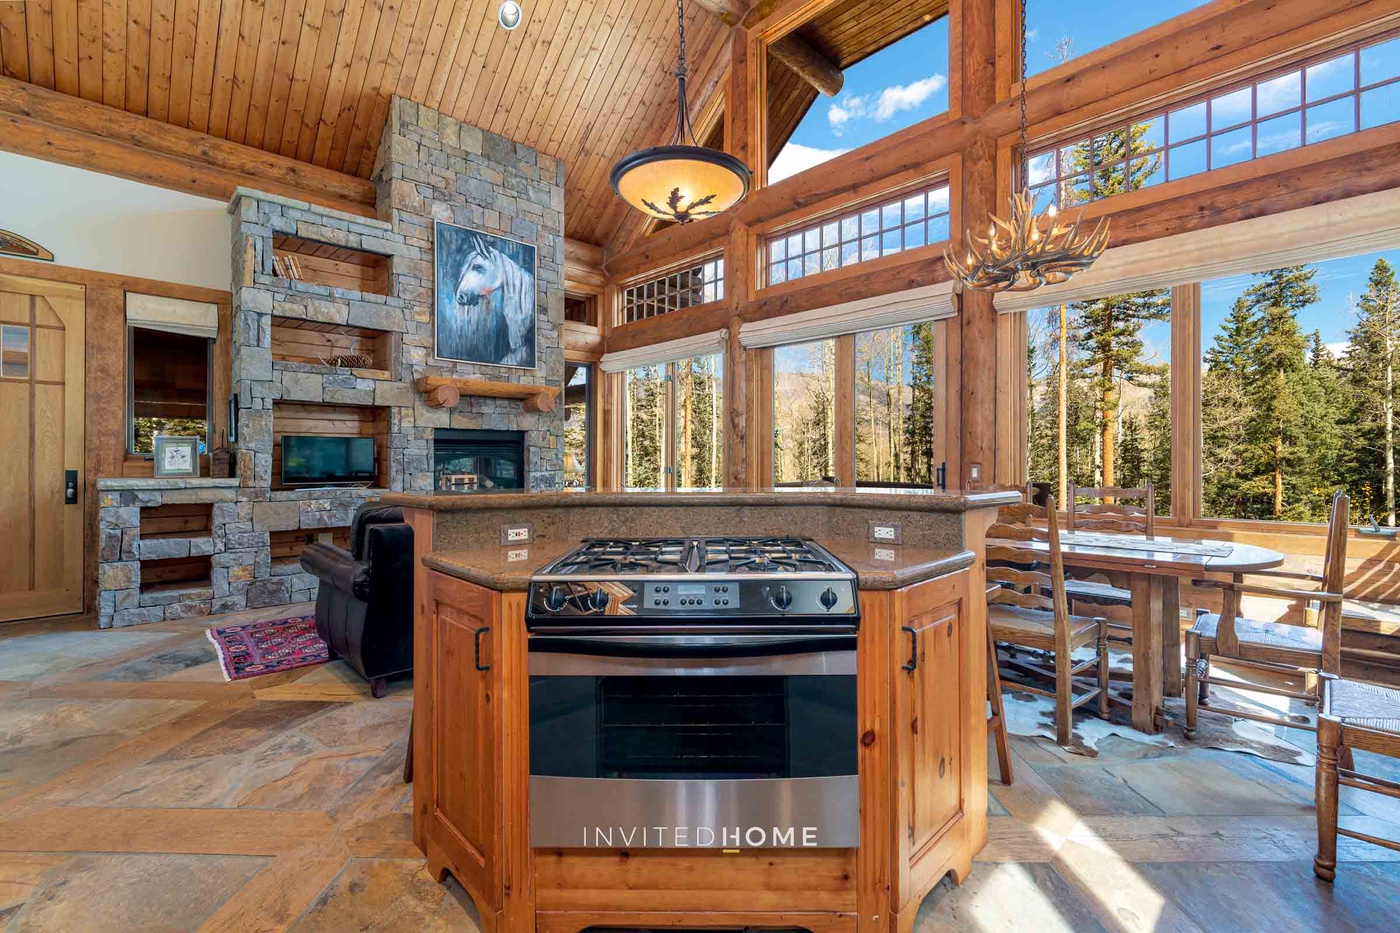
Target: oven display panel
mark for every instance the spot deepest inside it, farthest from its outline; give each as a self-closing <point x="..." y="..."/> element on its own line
<point x="691" y="596"/>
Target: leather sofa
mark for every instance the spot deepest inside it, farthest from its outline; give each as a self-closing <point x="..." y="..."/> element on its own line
<point x="364" y="606"/>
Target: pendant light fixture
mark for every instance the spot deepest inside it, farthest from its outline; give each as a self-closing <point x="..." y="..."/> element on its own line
<point x="683" y="181"/>
<point x="1029" y="250"/>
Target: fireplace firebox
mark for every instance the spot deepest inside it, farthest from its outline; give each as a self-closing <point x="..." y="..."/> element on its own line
<point x="478" y="461"/>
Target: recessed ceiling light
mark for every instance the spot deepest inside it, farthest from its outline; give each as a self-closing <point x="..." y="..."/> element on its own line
<point x="510" y="14"/>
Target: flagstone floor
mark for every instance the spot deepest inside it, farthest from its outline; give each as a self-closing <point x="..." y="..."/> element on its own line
<point x="138" y="791"/>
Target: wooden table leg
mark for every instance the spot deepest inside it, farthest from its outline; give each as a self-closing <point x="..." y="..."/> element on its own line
<point x="1171" y="636"/>
<point x="1147" y="650"/>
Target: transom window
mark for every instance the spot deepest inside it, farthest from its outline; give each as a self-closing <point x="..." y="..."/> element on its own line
<point x="1341" y="95"/>
<point x="699" y="283"/>
<point x="893" y="226"/>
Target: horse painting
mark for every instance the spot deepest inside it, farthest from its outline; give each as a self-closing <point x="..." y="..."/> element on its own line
<point x="485" y="298"/>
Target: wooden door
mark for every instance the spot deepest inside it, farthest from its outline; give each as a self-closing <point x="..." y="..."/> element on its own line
<point x="928" y="737"/>
<point x="41" y="434"/>
<point x="465" y="811"/>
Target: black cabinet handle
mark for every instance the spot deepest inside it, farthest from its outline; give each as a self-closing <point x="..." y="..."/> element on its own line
<point x="913" y="663"/>
<point x="477" y="638"/>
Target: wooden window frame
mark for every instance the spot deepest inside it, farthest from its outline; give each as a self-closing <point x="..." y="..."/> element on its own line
<point x="209" y="424"/>
<point x="670" y="426"/>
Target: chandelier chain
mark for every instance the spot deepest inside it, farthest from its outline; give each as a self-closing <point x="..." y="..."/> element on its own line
<point x="1025" y="152"/>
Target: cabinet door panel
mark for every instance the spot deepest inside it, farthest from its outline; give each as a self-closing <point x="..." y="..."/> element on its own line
<point x="466" y="776"/>
<point x="928" y="727"/>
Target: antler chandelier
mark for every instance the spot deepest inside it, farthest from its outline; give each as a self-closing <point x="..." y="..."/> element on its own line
<point x="1029" y="250"/>
<point x="683" y="181"/>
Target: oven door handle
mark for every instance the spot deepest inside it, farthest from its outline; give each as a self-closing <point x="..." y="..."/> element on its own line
<point x="663" y="646"/>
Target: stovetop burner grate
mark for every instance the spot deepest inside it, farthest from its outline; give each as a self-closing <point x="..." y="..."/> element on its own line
<point x="773" y="555"/>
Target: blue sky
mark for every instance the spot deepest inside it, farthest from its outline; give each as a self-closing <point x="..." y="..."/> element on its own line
<point x="907" y="82"/>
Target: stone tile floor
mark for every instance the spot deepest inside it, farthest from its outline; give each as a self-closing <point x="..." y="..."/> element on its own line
<point x="138" y="791"/>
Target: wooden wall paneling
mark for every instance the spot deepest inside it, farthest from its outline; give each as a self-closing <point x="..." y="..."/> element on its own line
<point x="138" y="52"/>
<point x="333" y="141"/>
<point x="90" y="50"/>
<point x="213" y="30"/>
<point x="182" y="60"/>
<point x="279" y="78"/>
<point x="113" y="59"/>
<point x="14" y="51"/>
<point x="162" y="48"/>
<point x="356" y="32"/>
<point x="63" y="19"/>
<point x="39" y="39"/>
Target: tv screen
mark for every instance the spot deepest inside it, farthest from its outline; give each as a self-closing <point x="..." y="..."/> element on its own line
<point x="309" y="460"/>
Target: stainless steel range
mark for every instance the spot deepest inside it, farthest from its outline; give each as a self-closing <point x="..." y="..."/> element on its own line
<point x="693" y="692"/>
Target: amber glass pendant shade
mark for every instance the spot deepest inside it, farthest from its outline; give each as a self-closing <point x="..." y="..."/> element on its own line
<point x="681" y="183"/>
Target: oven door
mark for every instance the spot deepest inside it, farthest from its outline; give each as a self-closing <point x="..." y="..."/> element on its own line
<point x="726" y="741"/>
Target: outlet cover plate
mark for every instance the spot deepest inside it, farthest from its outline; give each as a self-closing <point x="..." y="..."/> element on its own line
<point x="519" y="533"/>
<point x="886" y="532"/>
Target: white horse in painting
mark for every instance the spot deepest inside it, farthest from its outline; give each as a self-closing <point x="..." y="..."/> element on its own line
<point x="493" y="310"/>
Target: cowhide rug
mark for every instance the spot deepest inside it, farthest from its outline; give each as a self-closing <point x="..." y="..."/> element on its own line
<point x="1031" y="715"/>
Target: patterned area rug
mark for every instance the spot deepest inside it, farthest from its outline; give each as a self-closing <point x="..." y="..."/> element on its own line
<point x="257" y="648"/>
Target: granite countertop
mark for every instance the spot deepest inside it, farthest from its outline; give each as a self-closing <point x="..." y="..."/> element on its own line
<point x="913" y="500"/>
<point x="877" y="567"/>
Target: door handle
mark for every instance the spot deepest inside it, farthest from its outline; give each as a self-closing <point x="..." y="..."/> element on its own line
<point x="913" y="663"/>
<point x="477" y="639"/>
<point x="70" y="487"/>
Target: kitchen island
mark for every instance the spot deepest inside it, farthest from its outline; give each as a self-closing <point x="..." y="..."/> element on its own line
<point x="915" y="737"/>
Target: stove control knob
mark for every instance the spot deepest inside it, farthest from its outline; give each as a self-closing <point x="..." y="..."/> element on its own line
<point x="827" y="598"/>
<point x="598" y="600"/>
<point x="781" y="600"/>
<point x="556" y="599"/>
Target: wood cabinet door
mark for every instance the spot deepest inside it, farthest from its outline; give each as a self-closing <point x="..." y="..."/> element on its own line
<point x="41" y="433"/>
<point x="928" y="723"/>
<point x="466" y="806"/>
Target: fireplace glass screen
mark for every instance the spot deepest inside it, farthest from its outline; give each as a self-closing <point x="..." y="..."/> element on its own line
<point x="478" y="461"/>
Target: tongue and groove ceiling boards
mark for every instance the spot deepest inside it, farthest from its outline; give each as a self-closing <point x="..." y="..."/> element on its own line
<point x="844" y="33"/>
<point x="585" y="81"/>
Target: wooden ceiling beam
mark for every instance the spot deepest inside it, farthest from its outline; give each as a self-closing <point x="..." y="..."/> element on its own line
<point x="58" y="128"/>
<point x="792" y="50"/>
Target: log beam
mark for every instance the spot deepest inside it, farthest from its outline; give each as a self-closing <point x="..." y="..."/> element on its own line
<point x="808" y="64"/>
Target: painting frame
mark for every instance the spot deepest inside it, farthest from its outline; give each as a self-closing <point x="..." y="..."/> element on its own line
<point x="182" y="452"/>
<point x="463" y="342"/>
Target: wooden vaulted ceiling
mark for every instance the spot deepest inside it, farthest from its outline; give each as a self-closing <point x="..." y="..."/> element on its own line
<point x="844" y="33"/>
<point x="582" y="80"/>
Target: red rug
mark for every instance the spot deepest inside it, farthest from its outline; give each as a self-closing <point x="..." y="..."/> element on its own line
<point x="257" y="648"/>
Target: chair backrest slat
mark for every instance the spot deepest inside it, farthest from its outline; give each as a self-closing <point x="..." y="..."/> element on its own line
<point x="1334" y="569"/>
<point x="1113" y="515"/>
<point x="1024" y="573"/>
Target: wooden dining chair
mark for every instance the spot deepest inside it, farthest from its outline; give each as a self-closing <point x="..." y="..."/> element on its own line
<point x="1353" y="715"/>
<point x="1113" y="516"/>
<point x="1272" y="646"/>
<point x="996" y="719"/>
<point x="1020" y="614"/>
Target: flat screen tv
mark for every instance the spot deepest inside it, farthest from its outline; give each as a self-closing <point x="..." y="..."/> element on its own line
<point x="312" y="460"/>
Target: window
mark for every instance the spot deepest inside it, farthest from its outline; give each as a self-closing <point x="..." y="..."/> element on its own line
<point x="168" y="386"/>
<point x="1058" y="30"/>
<point x="1298" y="388"/>
<point x="1100" y="394"/>
<point x="674" y="429"/>
<point x="804" y="416"/>
<point x="1343" y="94"/>
<point x="14" y="351"/>
<point x="898" y="408"/>
<point x="578" y="425"/>
<point x="895" y="74"/>
<point x="882" y="229"/>
<point x="699" y="283"/>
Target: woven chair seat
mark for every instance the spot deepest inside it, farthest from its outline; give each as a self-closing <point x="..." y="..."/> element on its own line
<point x="1364" y="706"/>
<point x="1266" y="641"/>
<point x="1035" y="628"/>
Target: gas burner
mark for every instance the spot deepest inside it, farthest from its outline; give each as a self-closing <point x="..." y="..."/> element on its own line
<point x="765" y="555"/>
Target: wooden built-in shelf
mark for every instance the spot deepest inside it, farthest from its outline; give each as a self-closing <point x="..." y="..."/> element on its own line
<point x="331" y="421"/>
<point x="177" y="520"/>
<point x="288" y="545"/>
<point x="316" y="343"/>
<point x="329" y="265"/>
<point x="447" y="391"/>
<point x="175" y="573"/>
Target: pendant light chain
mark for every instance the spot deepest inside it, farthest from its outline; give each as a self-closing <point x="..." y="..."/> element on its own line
<point x="1025" y="178"/>
<point x="685" y="134"/>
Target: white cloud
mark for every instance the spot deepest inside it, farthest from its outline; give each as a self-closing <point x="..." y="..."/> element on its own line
<point x="883" y="106"/>
<point x="796" y="158"/>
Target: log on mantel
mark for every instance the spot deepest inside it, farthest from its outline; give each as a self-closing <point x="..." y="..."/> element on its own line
<point x="447" y="391"/>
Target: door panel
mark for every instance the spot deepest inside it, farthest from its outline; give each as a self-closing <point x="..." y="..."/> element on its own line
<point x="41" y="432"/>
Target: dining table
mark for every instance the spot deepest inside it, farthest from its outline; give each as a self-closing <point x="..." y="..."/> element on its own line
<point x="1152" y="569"/>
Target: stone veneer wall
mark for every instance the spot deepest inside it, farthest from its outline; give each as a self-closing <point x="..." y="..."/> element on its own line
<point x="430" y="167"/>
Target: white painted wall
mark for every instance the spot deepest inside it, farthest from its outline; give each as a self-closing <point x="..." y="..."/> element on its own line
<point x="93" y="221"/>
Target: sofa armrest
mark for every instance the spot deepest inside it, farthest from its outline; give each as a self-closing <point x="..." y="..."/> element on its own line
<point x="335" y="567"/>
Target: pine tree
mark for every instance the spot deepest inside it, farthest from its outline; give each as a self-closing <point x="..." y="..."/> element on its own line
<point x="1226" y="412"/>
<point x="1118" y="161"/>
<point x="1373" y="362"/>
<point x="1132" y="453"/>
<point x="920" y="427"/>
<point x="1158" y="468"/>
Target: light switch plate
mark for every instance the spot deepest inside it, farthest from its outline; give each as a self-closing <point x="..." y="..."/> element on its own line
<point x="886" y="532"/>
<point x="520" y="533"/>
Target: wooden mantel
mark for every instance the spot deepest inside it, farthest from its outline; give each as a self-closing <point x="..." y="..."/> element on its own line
<point x="447" y="391"/>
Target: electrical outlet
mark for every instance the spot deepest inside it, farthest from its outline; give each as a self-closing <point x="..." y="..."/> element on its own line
<point x="523" y="533"/>
<point x="883" y="553"/>
<point x="885" y="532"/>
<point x="518" y="554"/>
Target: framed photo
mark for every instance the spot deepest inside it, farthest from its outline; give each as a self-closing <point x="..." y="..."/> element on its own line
<point x="176" y="456"/>
<point x="485" y="298"/>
